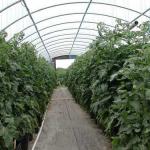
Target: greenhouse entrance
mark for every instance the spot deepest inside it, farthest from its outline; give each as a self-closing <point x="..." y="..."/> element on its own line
<point x="68" y="127"/>
<point x="63" y="61"/>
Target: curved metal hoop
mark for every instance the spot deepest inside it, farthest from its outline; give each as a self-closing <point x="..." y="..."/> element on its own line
<point x="62" y="42"/>
<point x="71" y="4"/>
<point x="64" y="45"/>
<point x="9" y="6"/>
<point x="82" y="39"/>
<point x="56" y="47"/>
<point x="62" y="15"/>
<point x="64" y="24"/>
<point x="62" y="52"/>
<point x="61" y="35"/>
<point x="66" y="29"/>
<point x="66" y="50"/>
<point x="63" y="4"/>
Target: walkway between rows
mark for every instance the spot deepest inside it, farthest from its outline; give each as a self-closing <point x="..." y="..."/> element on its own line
<point x="68" y="127"/>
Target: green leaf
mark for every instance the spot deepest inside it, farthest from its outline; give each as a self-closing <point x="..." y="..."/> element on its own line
<point x="147" y="94"/>
<point x="136" y="105"/>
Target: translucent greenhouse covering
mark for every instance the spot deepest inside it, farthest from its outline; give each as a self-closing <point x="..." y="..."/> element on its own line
<point x="62" y="27"/>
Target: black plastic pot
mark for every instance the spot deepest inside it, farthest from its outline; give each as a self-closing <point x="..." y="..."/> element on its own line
<point x="40" y="119"/>
<point x="30" y="137"/>
<point x="22" y="143"/>
<point x="37" y="130"/>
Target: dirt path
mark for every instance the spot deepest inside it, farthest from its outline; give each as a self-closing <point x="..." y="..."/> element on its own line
<point x="68" y="127"/>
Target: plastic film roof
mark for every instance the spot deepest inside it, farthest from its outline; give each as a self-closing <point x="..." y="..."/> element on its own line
<point x="66" y="27"/>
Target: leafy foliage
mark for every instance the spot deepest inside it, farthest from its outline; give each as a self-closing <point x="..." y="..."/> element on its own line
<point x="112" y="81"/>
<point x="60" y="73"/>
<point x="26" y="84"/>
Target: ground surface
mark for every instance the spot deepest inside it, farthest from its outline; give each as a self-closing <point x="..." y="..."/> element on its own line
<point x="68" y="127"/>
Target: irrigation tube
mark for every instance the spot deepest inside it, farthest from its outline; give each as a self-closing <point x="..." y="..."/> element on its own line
<point x="39" y="133"/>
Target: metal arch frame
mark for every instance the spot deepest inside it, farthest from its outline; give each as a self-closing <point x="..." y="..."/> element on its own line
<point x="55" y="48"/>
<point x="10" y="6"/>
<point x="63" y="23"/>
<point x="71" y="22"/>
<point x="66" y="40"/>
<point x="55" y="56"/>
<point x="66" y="49"/>
<point x="77" y="33"/>
<point x="140" y="15"/>
<point x="99" y="3"/>
<point x="66" y="29"/>
<point x="49" y="27"/>
<point x="74" y="14"/>
<point x="62" y="15"/>
<point x="59" y="54"/>
<point x="62" y="45"/>
<point x="63" y="41"/>
<point x="85" y="13"/>
<point x="60" y="35"/>
<point x="77" y="28"/>
<point x="65" y="52"/>
<point x="36" y="28"/>
<point x="82" y="21"/>
<point x="107" y="4"/>
<point x="81" y="39"/>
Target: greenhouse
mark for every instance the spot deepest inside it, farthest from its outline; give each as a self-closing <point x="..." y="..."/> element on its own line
<point x="75" y="75"/>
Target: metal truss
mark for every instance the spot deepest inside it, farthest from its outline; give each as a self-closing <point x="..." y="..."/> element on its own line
<point x="63" y="41"/>
<point x="54" y="42"/>
<point x="63" y="4"/>
<point x="63" y="23"/>
<point x="62" y="37"/>
<point x="36" y="28"/>
<point x="59" y="46"/>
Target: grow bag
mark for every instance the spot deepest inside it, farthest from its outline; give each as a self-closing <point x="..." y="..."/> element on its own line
<point x="22" y="143"/>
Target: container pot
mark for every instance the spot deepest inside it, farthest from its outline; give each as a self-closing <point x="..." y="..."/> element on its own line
<point x="22" y="143"/>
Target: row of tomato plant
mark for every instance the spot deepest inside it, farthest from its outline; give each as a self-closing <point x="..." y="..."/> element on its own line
<point x="112" y="81"/>
<point x="26" y="83"/>
<point x="60" y="74"/>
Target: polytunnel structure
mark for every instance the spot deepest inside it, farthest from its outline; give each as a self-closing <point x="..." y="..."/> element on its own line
<point x="66" y="27"/>
<point x="99" y="102"/>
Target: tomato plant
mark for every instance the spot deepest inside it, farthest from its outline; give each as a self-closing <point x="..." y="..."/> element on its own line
<point x="60" y="73"/>
<point x="112" y="81"/>
<point x="26" y="83"/>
